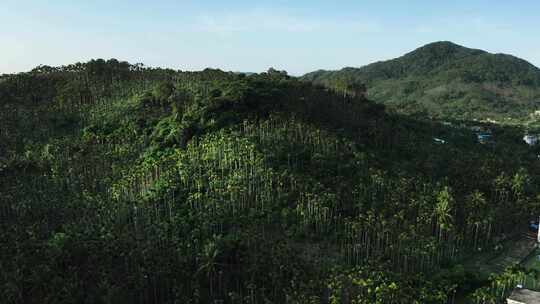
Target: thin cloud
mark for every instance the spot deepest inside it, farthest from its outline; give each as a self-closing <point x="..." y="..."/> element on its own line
<point x="253" y="21"/>
<point x="267" y="20"/>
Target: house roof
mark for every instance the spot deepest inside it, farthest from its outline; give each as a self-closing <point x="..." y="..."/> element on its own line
<point x="525" y="296"/>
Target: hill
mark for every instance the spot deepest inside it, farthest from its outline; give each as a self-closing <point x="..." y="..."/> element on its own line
<point x="446" y="80"/>
<point x="124" y="184"/>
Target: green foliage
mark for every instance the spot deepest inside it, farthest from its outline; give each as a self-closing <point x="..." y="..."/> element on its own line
<point x="160" y="186"/>
<point x="163" y="91"/>
<point x="499" y="286"/>
<point x="445" y="80"/>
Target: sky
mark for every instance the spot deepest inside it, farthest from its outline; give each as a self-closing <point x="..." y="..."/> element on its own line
<point x="250" y="36"/>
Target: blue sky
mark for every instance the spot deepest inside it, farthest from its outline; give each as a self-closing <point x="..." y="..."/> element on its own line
<point x="297" y="36"/>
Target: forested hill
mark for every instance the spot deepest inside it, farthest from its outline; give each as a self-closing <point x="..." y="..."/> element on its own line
<point x="446" y="80"/>
<point x="125" y="184"/>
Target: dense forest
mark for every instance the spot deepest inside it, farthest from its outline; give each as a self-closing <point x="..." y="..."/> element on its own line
<point x="447" y="81"/>
<point x="126" y="184"/>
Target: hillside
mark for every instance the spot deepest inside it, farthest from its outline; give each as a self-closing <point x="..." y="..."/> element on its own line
<point x="125" y="184"/>
<point x="446" y="80"/>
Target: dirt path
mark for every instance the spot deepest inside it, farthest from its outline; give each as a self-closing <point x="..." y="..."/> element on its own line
<point x="514" y="251"/>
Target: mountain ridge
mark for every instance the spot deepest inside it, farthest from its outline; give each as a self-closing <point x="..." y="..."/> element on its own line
<point x="448" y="80"/>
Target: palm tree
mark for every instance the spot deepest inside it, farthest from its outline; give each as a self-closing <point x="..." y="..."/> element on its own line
<point x="209" y="260"/>
<point x="443" y="211"/>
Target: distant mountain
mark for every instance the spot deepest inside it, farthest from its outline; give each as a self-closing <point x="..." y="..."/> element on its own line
<point x="444" y="79"/>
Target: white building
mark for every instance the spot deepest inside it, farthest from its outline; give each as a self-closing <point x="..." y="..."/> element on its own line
<point x="439" y="140"/>
<point x="531" y="140"/>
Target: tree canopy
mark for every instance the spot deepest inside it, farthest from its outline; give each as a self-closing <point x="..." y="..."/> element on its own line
<point x="122" y="184"/>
